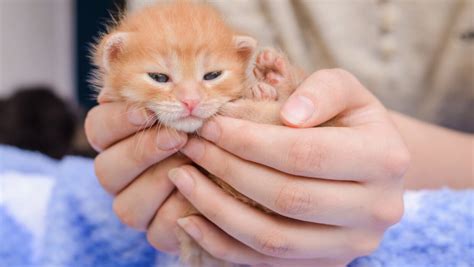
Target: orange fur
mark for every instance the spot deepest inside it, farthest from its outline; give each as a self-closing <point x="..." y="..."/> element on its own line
<point x="185" y="41"/>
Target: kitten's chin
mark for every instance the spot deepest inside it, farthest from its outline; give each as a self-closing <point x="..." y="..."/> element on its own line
<point x="188" y="124"/>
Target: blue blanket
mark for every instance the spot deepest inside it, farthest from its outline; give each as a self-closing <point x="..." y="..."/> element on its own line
<point x="54" y="213"/>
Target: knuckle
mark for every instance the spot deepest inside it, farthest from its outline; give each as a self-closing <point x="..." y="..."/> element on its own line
<point x="388" y="213"/>
<point x="157" y="241"/>
<point x="166" y="221"/>
<point x="152" y="239"/>
<point x="245" y="142"/>
<point x="366" y="247"/>
<point x="339" y="79"/>
<point x="224" y="169"/>
<point x="293" y="200"/>
<point x="304" y="157"/>
<point x="161" y="224"/>
<point x="101" y="174"/>
<point x="332" y="75"/>
<point x="272" y="243"/>
<point x="364" y="244"/>
<point x="396" y="163"/>
<point x="127" y="216"/>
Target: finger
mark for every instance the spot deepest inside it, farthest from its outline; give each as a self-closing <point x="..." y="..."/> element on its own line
<point x="137" y="203"/>
<point x="107" y="94"/>
<point x="161" y="232"/>
<point x="322" y="96"/>
<point x="336" y="153"/>
<point x="270" y="235"/>
<point x="222" y="246"/>
<point x="307" y="199"/>
<point x="117" y="166"/>
<point x="107" y="123"/>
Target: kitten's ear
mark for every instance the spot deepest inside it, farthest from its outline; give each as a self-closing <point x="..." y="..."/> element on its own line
<point x="245" y="45"/>
<point x="110" y="48"/>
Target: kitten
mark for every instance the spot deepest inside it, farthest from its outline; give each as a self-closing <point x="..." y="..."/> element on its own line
<point x="183" y="63"/>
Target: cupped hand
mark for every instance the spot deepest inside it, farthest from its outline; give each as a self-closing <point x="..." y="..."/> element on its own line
<point x="133" y="164"/>
<point x="333" y="189"/>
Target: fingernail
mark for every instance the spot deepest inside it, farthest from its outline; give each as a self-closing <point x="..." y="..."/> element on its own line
<point x="190" y="228"/>
<point x="298" y="109"/>
<point x="210" y="131"/>
<point x="194" y="149"/>
<point x="137" y="116"/>
<point x="182" y="180"/>
<point x="167" y="141"/>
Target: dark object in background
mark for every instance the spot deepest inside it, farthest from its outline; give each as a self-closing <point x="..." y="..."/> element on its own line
<point x="36" y="119"/>
<point x="91" y="20"/>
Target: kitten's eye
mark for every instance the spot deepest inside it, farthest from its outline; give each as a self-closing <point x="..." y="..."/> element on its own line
<point x="159" y="77"/>
<point x="212" y="75"/>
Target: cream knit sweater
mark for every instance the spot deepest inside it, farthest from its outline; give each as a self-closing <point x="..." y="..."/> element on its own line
<point x="417" y="56"/>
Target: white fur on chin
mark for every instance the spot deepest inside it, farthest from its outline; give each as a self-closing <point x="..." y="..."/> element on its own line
<point x="188" y="124"/>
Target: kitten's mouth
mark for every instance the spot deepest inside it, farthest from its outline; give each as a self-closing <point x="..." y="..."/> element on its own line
<point x="187" y="124"/>
<point x="185" y="120"/>
<point x="191" y="116"/>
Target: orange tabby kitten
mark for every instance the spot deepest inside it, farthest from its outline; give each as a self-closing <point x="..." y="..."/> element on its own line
<point x="182" y="62"/>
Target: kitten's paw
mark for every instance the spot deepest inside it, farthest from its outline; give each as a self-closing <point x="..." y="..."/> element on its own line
<point x="263" y="91"/>
<point x="232" y="109"/>
<point x="271" y="67"/>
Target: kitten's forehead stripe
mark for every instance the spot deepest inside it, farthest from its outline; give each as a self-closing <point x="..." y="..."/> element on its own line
<point x="188" y="64"/>
<point x="175" y="67"/>
<point x="200" y="65"/>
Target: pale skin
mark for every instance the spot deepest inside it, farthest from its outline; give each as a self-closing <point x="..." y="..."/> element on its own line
<point x="335" y="189"/>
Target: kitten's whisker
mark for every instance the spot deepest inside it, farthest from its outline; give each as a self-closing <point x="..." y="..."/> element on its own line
<point x="149" y="122"/>
<point x="160" y="107"/>
<point x="142" y="130"/>
<point x="131" y="107"/>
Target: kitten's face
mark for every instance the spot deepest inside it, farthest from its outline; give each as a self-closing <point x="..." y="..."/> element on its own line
<point x="183" y="90"/>
<point x="180" y="61"/>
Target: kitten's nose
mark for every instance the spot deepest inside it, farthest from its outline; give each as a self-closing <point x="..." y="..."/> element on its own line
<point x="190" y="104"/>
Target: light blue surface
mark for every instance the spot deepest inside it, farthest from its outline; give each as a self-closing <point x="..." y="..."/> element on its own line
<point x="81" y="230"/>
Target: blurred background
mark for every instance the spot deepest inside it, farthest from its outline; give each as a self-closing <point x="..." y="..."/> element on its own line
<point x="44" y="64"/>
<point x="44" y="68"/>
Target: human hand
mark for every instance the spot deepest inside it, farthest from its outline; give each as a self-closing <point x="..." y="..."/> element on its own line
<point x="334" y="189"/>
<point x="127" y="167"/>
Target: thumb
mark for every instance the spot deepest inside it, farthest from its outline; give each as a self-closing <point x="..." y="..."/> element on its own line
<point x="321" y="97"/>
